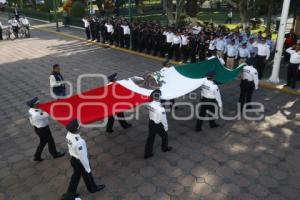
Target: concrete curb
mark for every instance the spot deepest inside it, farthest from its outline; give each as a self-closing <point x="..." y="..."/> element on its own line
<point x="262" y="84"/>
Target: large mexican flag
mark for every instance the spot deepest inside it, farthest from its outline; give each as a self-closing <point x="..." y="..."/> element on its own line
<point x="105" y="101"/>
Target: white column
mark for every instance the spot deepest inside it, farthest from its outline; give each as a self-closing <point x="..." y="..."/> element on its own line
<point x="280" y="41"/>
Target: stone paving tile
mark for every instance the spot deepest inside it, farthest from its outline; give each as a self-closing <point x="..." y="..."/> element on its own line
<point x="241" y="160"/>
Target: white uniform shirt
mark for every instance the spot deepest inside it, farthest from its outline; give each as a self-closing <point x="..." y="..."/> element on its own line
<point x="210" y="90"/>
<point x="54" y="82"/>
<point x="220" y="44"/>
<point x="86" y="23"/>
<point x="250" y="74"/>
<point x="176" y="40"/>
<point x="252" y="48"/>
<point x="157" y="113"/>
<point x="169" y="36"/>
<point x="25" y="21"/>
<point x="212" y="45"/>
<point x="244" y="52"/>
<point x="1" y="25"/>
<point x="126" y="29"/>
<point x="77" y="148"/>
<point x="295" y="56"/>
<point x="231" y="51"/>
<point x="184" y="40"/>
<point x="110" y="28"/>
<point x="262" y="50"/>
<point x="38" y="118"/>
<point x="14" y="23"/>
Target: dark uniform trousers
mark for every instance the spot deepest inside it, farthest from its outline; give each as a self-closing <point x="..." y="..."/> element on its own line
<point x="88" y="33"/>
<point x="1" y="38"/>
<point x="78" y="171"/>
<point x="170" y="50"/>
<point x="176" y="48"/>
<point x="261" y="63"/>
<point x="185" y="52"/>
<point x="127" y="41"/>
<point x="45" y="138"/>
<point x="292" y="73"/>
<point x="16" y="31"/>
<point x="202" y="113"/>
<point x="110" y="38"/>
<point x="153" y="130"/>
<point x="121" y="120"/>
<point x="247" y="89"/>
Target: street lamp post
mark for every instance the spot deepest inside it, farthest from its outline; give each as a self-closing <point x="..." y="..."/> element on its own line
<point x="55" y="15"/>
<point x="130" y="20"/>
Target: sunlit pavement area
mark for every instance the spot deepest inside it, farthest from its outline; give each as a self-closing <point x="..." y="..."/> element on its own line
<point x="239" y="160"/>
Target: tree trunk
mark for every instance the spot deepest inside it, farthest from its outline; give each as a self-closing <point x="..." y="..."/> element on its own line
<point x="243" y="6"/>
<point x="269" y="18"/>
<point x="169" y="11"/>
<point x="179" y="9"/>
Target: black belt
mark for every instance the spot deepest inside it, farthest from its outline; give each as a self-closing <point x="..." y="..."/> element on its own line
<point x="243" y="57"/>
<point x="231" y="56"/>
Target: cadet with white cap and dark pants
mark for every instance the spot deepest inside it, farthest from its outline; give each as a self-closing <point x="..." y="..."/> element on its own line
<point x="293" y="66"/>
<point x="263" y="55"/>
<point x="157" y="125"/>
<point x="39" y="120"/>
<point x="79" y="161"/>
<point x="210" y="96"/>
<point x="249" y="82"/>
<point x="120" y="115"/>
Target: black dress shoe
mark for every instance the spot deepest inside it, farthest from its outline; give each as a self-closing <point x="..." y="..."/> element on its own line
<point x="58" y="155"/>
<point x="38" y="159"/>
<point x="109" y="131"/>
<point x="98" y="188"/>
<point x="148" y="156"/>
<point x="167" y="149"/>
<point x="215" y="126"/>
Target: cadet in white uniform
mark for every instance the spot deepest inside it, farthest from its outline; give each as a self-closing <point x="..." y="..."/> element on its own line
<point x="176" y="44"/>
<point x="263" y="55"/>
<point x="249" y="82"/>
<point x="126" y="33"/>
<point x="232" y="53"/>
<point x="294" y="64"/>
<point x="209" y="94"/>
<point x="244" y="53"/>
<point x="157" y="124"/>
<point x="79" y="161"/>
<point x="39" y="121"/>
<point x="120" y="116"/>
<point x="87" y="28"/>
<point x="109" y="32"/>
<point x="220" y="46"/>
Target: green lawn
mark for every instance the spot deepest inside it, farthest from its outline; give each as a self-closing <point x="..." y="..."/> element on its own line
<point x="218" y="17"/>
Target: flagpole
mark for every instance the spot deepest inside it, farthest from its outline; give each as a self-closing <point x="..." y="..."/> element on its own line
<point x="280" y="42"/>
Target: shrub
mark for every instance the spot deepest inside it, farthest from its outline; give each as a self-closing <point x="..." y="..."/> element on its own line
<point x="78" y="9"/>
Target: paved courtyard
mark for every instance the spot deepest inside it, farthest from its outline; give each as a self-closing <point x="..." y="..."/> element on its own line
<point x="241" y="160"/>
